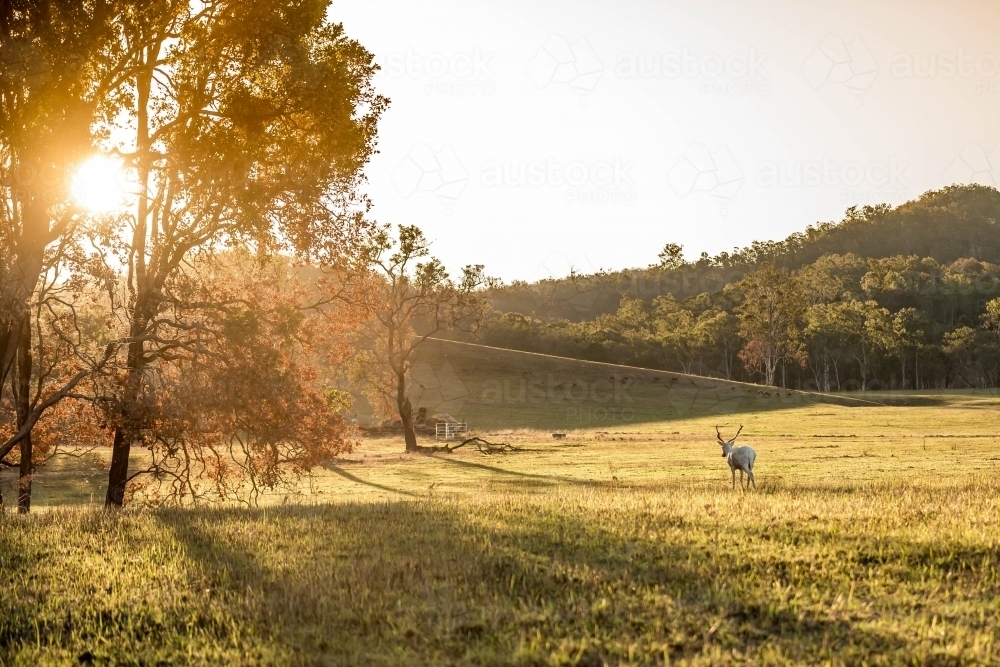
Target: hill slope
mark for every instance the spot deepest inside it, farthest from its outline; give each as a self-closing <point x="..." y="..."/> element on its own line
<point x="496" y="388"/>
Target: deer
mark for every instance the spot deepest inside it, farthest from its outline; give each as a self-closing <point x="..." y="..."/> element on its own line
<point x="739" y="458"/>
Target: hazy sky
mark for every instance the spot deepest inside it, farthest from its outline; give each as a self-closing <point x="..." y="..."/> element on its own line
<point x="535" y="136"/>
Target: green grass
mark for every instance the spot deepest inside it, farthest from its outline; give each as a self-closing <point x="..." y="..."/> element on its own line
<point x="874" y="538"/>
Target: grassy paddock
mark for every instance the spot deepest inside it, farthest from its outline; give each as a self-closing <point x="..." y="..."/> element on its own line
<point x="874" y="538"/>
<point x="886" y="573"/>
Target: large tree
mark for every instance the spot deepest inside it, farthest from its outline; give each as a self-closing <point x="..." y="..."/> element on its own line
<point x="47" y="101"/>
<point x="245" y="123"/>
<point x="56" y="66"/>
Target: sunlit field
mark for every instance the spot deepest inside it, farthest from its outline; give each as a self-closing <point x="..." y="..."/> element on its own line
<point x="873" y="538"/>
<point x="362" y="333"/>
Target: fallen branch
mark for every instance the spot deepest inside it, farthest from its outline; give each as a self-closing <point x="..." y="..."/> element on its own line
<point x="484" y="447"/>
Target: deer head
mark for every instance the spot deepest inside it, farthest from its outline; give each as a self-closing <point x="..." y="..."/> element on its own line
<point x="727" y="445"/>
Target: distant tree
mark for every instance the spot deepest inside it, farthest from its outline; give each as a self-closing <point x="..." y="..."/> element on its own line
<point x="827" y="336"/>
<point x="512" y="331"/>
<point x="671" y="257"/>
<point x="628" y="334"/>
<point x="899" y="282"/>
<point x="833" y="278"/>
<point x="677" y="332"/>
<point x="771" y="317"/>
<point x="990" y="321"/>
<point x="907" y="337"/>
<point x="720" y="334"/>
<point x="966" y="348"/>
<point x="869" y="329"/>
<point x="412" y="298"/>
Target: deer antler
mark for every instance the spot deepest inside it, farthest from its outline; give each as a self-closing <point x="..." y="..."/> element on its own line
<point x="718" y="435"/>
<point x="737" y="434"/>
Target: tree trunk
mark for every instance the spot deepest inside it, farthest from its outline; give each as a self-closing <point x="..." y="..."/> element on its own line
<point x="22" y="396"/>
<point x="769" y="365"/>
<point x="815" y="371"/>
<point x="21" y="281"/>
<point x="405" y="413"/>
<point x="24" y="478"/>
<point x="143" y="310"/>
<point x="118" y="472"/>
<point x="826" y="371"/>
<point x="121" y="447"/>
<point x="864" y="368"/>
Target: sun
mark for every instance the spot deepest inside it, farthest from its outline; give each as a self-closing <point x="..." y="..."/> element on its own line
<point x="97" y="185"/>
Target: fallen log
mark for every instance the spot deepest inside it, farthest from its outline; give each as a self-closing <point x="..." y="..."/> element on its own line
<point x="484" y="446"/>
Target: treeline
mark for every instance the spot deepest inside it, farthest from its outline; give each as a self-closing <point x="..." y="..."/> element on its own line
<point x="839" y="323"/>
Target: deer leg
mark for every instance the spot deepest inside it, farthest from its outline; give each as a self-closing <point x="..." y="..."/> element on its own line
<point x="752" y="480"/>
<point x="733" y="470"/>
<point x="741" y="479"/>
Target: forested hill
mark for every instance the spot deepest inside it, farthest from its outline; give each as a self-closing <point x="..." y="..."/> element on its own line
<point x="959" y="221"/>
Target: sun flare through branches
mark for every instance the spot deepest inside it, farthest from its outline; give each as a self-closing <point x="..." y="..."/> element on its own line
<point x="99" y="185"/>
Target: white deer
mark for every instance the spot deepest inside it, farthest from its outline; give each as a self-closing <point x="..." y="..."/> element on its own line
<point x="739" y="458"/>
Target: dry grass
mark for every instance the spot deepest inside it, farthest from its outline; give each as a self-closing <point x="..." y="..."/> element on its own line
<point x="873" y="539"/>
<point x="880" y="573"/>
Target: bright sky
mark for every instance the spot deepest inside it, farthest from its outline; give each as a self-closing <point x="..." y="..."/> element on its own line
<point x="534" y="136"/>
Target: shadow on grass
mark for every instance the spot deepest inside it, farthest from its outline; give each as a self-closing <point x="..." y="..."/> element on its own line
<point x="453" y="583"/>
<point x="651" y="404"/>
<point x="357" y="480"/>
<point x="548" y="479"/>
<point x="414" y="583"/>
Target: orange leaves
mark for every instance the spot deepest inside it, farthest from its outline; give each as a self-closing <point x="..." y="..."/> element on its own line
<point x="243" y="409"/>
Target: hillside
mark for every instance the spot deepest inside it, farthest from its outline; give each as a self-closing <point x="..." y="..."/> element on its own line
<point x="493" y="388"/>
<point x="956" y="222"/>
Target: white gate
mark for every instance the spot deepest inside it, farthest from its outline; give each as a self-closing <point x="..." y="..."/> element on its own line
<point x="450" y="430"/>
